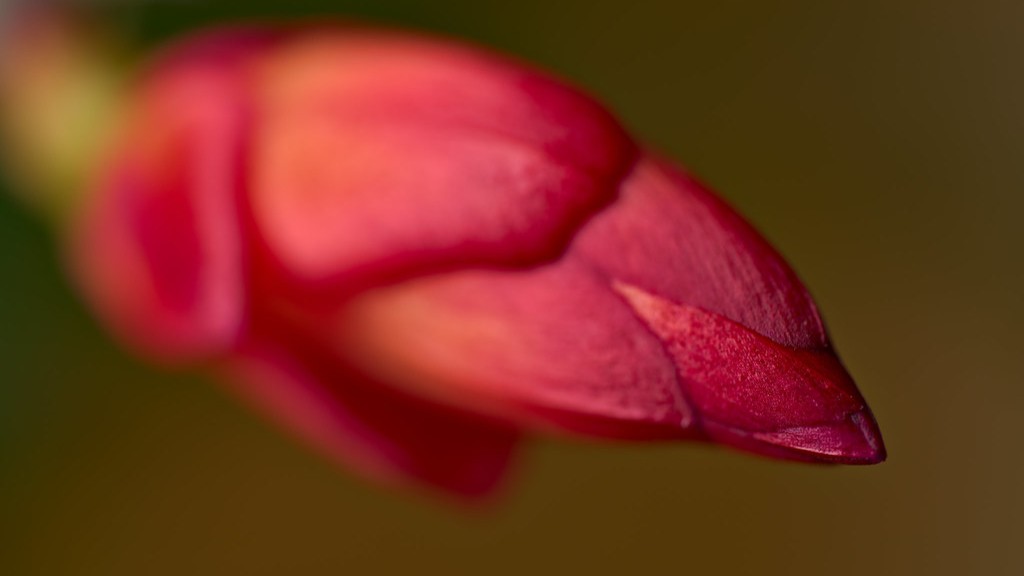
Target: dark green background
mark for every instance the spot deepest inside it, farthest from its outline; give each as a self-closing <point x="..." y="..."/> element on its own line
<point x="878" y="144"/>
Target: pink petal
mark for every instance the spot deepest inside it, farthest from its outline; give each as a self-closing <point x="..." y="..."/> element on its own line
<point x="583" y="347"/>
<point x="158" y="248"/>
<point x="750" y="390"/>
<point x="672" y="237"/>
<point x="553" y="345"/>
<point x="383" y="156"/>
<point x="506" y="250"/>
<point x="385" y="434"/>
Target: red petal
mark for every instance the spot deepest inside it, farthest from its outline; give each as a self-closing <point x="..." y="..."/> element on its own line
<point x="158" y="247"/>
<point x="672" y="237"/>
<point x="750" y="390"/>
<point x="741" y="378"/>
<point x="389" y="156"/>
<point x="555" y="343"/>
<point x="578" y="342"/>
<point x="385" y="434"/>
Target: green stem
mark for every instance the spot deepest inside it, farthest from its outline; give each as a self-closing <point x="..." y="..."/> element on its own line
<point x="61" y="84"/>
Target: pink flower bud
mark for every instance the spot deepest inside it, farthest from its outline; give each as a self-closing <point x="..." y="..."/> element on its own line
<point x="411" y="252"/>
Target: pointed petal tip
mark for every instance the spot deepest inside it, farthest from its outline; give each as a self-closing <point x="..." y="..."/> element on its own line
<point x="854" y="440"/>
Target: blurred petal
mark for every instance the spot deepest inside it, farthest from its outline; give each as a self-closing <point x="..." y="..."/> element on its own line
<point x="405" y="250"/>
<point x="554" y="343"/>
<point x="158" y="248"/>
<point x="381" y="155"/>
<point x="386" y="434"/>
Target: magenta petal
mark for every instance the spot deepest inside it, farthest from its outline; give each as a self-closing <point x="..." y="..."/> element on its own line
<point x="757" y="394"/>
<point x="853" y="440"/>
<point x="555" y="343"/>
<point x="387" y="157"/>
<point x="158" y="249"/>
<point x="385" y="434"/>
<point x="674" y="238"/>
<point x="409" y="252"/>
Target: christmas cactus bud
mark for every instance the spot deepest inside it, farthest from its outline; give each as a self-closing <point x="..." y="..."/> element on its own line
<point x="413" y="252"/>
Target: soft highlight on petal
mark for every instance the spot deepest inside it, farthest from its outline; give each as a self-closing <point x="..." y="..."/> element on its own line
<point x="411" y="253"/>
<point x="553" y="343"/>
<point x="382" y="157"/>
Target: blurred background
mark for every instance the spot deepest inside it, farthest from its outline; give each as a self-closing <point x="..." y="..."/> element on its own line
<point x="877" y="144"/>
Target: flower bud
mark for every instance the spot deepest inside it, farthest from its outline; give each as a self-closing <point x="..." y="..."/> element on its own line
<point x="411" y="252"/>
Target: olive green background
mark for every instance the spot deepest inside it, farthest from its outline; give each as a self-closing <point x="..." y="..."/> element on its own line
<point x="877" y="144"/>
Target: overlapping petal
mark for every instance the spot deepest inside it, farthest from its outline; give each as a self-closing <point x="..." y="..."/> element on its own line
<point x="648" y="326"/>
<point x="410" y="252"/>
<point x="379" y="156"/>
<point x="158" y="246"/>
<point x="386" y="434"/>
<point x="553" y="344"/>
